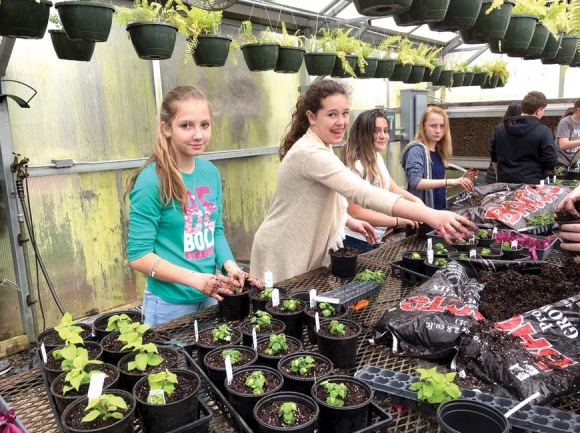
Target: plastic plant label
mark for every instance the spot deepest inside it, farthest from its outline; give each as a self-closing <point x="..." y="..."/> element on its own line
<point x="313" y="298"/>
<point x="429" y="244"/>
<point x="254" y="339"/>
<point x="430" y="256"/>
<point x="317" y="321"/>
<point x="395" y="345"/>
<point x="554" y="178"/>
<point x="514" y="245"/>
<point x="548" y="180"/>
<point x="542" y="182"/>
<point x="158" y="392"/>
<point x="462" y="374"/>
<point x="472" y="240"/>
<point x="275" y="297"/>
<point x="96" y="385"/>
<point x="229" y="371"/>
<point x="494" y="233"/>
<point x="43" y="352"/>
<point x="472" y="254"/>
<point x="196" y="330"/>
<point x="268" y="280"/>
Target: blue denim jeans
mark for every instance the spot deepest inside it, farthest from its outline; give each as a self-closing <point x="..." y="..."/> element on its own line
<point x="156" y="311"/>
<point x="362" y="246"/>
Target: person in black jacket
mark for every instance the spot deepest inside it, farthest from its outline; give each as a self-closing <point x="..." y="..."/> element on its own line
<point x="514" y="109"/>
<point x="522" y="148"/>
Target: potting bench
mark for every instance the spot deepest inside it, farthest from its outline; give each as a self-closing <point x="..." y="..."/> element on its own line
<point x="26" y="393"/>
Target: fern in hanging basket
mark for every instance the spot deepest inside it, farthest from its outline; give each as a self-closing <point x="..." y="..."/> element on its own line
<point x="212" y="5"/>
<point x="388" y="46"/>
<point x="530" y="7"/>
<point x="247" y="36"/>
<point x="145" y="12"/>
<point x="558" y="18"/>
<point x="290" y="40"/>
<point x="405" y="52"/>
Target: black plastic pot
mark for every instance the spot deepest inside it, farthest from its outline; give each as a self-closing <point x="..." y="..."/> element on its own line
<point x="444" y="78"/>
<point x="244" y="403"/>
<point x="462" y="415"/>
<point x="450" y="250"/>
<point x="311" y="322"/>
<point x="401" y="72"/>
<point x="345" y="419"/>
<point x="432" y="74"/>
<point x="509" y="254"/>
<point x="416" y="75"/>
<point x="343" y="266"/>
<point x="381" y="8"/>
<point x="87" y="21"/>
<point x="218" y="374"/>
<point x="289" y="60"/>
<point x="157" y="418"/>
<point x="303" y="385"/>
<point x="385" y="68"/>
<point x="86" y="333"/>
<point x="576" y="60"/>
<point x="128" y="379"/>
<point x="261" y="57"/>
<point x="492" y="25"/>
<point x="461" y="15"/>
<point x="465" y="247"/>
<point x="431" y="269"/>
<point x="52" y="374"/>
<point x="495" y="254"/>
<point x="273" y="360"/>
<point x="457" y="79"/>
<point x="415" y="265"/>
<point x="294" y="397"/>
<point x="537" y="43"/>
<point x="294" y="321"/>
<point x="113" y="357"/>
<point x="490" y="82"/>
<point x="153" y="40"/>
<point x="495" y="46"/>
<point x="247" y="339"/>
<point x="567" y="50"/>
<point x="339" y="71"/>
<point x="422" y="12"/>
<point x="518" y="35"/>
<point x="211" y="51"/>
<point x="203" y="349"/>
<point x="552" y="47"/>
<point x="26" y="19"/>
<point x="340" y="350"/>
<point x="101" y="322"/>
<point x="260" y="304"/>
<point x="370" y="68"/>
<point x="235" y="307"/>
<point x="479" y="78"/>
<point x="121" y="426"/>
<point x="467" y="79"/>
<point x="319" y="64"/>
<point x="302" y="295"/>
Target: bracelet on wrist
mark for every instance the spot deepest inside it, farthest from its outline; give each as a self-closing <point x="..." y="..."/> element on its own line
<point x="153" y="269"/>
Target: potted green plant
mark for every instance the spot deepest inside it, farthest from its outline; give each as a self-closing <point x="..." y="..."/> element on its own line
<point x="348" y="53"/>
<point x="68" y="330"/>
<point x="86" y="20"/>
<point x="431" y="268"/>
<point x="61" y="359"/>
<point x="480" y="74"/>
<point x="237" y="305"/>
<point x="492" y="22"/>
<point x="325" y="311"/>
<point x="433" y="67"/>
<point x="260" y="297"/>
<point x="422" y="12"/>
<point x="413" y="260"/>
<point x="214" y="361"/>
<point x="110" y="322"/>
<point x="459" y="69"/>
<point x="561" y="45"/>
<point x="521" y="28"/>
<point x="264" y="325"/>
<point x="338" y="340"/>
<point x="320" y="54"/>
<point x="434" y="388"/>
<point x="421" y="62"/>
<point x="260" y="51"/>
<point x="461" y="15"/>
<point x="210" y="338"/>
<point x="26" y="19"/>
<point x="302" y="369"/>
<point x="371" y="58"/>
<point x="445" y="77"/>
<point x="291" y="312"/>
<point x="287" y="411"/>
<point x="497" y="68"/>
<point x="273" y="348"/>
<point x="291" y="52"/>
<point x="404" y="60"/>
<point x="152" y="28"/>
<point x="386" y="65"/>
<point x="119" y="343"/>
<point x="381" y="8"/>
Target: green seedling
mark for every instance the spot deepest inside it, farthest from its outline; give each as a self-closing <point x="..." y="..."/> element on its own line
<point x="441" y="261"/>
<point x="368" y="275"/>
<point x="461" y="256"/>
<point x="505" y="246"/>
<point x="336" y="393"/>
<point x="68" y="330"/>
<point x="68" y="354"/>
<point x="235" y="355"/>
<point x="118" y="322"/>
<point x="148" y="356"/>
<point x="290" y="305"/>
<point x="106" y="406"/>
<point x="336" y="328"/>
<point x="435" y="387"/>
<point x="222" y="333"/>
<point x="286" y="412"/>
<point x="460" y="241"/>
<point x="440" y="248"/>
<point x="256" y="382"/>
<point x="266" y="294"/>
<point x="77" y="376"/>
<point x="276" y="344"/>
<point x="485" y="252"/>
<point x="261" y="318"/>
<point x="481" y="234"/>
<point x="302" y="365"/>
<point x="415" y="255"/>
<point x="327" y="309"/>
<point x="165" y="381"/>
<point x="132" y="335"/>
<point x="540" y="220"/>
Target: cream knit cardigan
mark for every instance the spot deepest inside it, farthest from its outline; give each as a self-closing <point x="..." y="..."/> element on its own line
<point x="306" y="215"/>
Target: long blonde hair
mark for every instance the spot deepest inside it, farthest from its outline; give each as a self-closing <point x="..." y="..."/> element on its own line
<point x="172" y="186"/>
<point x="443" y="146"/>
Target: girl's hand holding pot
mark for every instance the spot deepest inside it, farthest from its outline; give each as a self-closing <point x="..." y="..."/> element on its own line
<point x="216" y="285"/>
<point x="239" y="276"/>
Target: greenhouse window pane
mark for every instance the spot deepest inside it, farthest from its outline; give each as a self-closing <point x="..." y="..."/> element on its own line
<point x="307" y="5"/>
<point x="425" y="32"/>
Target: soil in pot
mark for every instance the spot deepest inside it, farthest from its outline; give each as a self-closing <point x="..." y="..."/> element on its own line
<point x="206" y="344"/>
<point x="260" y="297"/>
<point x="294" y="345"/>
<point x="431" y="268"/>
<point x="100" y="324"/>
<point x="215" y="363"/>
<point x="341" y="349"/>
<point x="294" y="320"/>
<point x="129" y="378"/>
<point x="311" y="319"/>
<point x="51" y="339"/>
<point x="343" y="262"/>
<point x="276" y="327"/>
<point x="304" y="414"/>
<point x="299" y="381"/>
<point x="112" y="348"/>
<point x="53" y="367"/>
<point x="236" y="306"/>
<point x="413" y="260"/>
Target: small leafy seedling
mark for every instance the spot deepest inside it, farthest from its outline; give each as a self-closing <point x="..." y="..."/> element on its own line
<point x="235" y="355"/>
<point x="77" y="376"/>
<point x="336" y="328"/>
<point x="290" y="305"/>
<point x="276" y="344"/>
<point x="148" y="356"/>
<point x="286" y="412"/>
<point x="336" y="393"/>
<point x="459" y="241"/>
<point x="441" y="261"/>
<point x="165" y="381"/>
<point x="415" y="255"/>
<point x="368" y="275"/>
<point x="118" y="322"/>
<point x="440" y="248"/>
<point x="461" y="256"/>
<point x="256" y="382"/>
<point x="266" y="294"/>
<point x="540" y="220"/>
<point x="435" y="387"/>
<point x="302" y="365"/>
<point x="327" y="309"/>
<point x="261" y="318"/>
<point x="68" y="330"/>
<point x="482" y="234"/>
<point x="485" y="252"/>
<point x="222" y="333"/>
<point x="505" y="246"/>
<point x="132" y="335"/>
<point x="68" y="354"/>
<point x="106" y="406"/>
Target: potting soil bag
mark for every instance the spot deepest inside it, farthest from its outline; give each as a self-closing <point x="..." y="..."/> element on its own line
<point x="430" y="320"/>
<point x="507" y="204"/>
<point x="535" y="351"/>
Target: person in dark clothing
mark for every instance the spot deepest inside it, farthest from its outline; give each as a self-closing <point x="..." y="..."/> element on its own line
<point x="522" y="148"/>
<point x="514" y="109"/>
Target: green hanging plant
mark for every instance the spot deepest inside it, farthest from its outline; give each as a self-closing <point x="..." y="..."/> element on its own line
<point x="530" y="7"/>
<point x="406" y="54"/>
<point x="575" y="18"/>
<point x="145" y="12"/>
<point x="247" y="35"/>
<point x="343" y="45"/>
<point x="427" y="56"/>
<point x="498" y="67"/>
<point x="291" y="40"/>
<point x="388" y="46"/>
<point x="557" y="18"/>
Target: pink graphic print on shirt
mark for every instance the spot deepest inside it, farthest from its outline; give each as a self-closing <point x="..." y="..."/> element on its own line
<point x="198" y="240"/>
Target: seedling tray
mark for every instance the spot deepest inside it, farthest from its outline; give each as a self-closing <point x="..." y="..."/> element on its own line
<point x="539" y="419"/>
<point x="351" y="293"/>
<point x="402" y="273"/>
<point x="543" y="230"/>
<point x="4" y="407"/>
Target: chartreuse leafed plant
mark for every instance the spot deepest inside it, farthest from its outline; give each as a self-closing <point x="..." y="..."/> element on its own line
<point x="290" y="41"/>
<point x="498" y="67"/>
<point x="118" y="322"/>
<point x="77" y="376"/>
<point x="55" y="19"/>
<point x="148" y="356"/>
<point x="336" y="328"/>
<point x="144" y="11"/>
<point x="405" y="52"/>
<point x="559" y="16"/>
<point x="440" y="248"/>
<point x="68" y="330"/>
<point x="235" y="355"/>
<point x="388" y="46"/>
<point x="368" y="275"/>
<point x="259" y="319"/>
<point x="326" y="309"/>
<point x="164" y="381"/>
<point x="485" y="252"/>
<point x="435" y="387"/>
<point x="415" y="255"/>
<point x="336" y="393"/>
<point x="442" y="261"/>
<point x="540" y="220"/>
<point x="342" y="45"/>
<point x="222" y="333"/>
<point x="266" y="294"/>
<point x="106" y="406"/>
<point x="68" y="354"/>
<point x="256" y="382"/>
<point x="530" y="7"/>
<point x="290" y="305"/>
<point x="276" y="344"/>
<point x="132" y="335"/>
<point x="287" y="411"/>
<point x="302" y="365"/>
<point x="247" y="35"/>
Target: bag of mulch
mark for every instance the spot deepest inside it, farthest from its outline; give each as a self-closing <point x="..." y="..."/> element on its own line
<point x="538" y="351"/>
<point x="429" y="321"/>
<point x="506" y="204"/>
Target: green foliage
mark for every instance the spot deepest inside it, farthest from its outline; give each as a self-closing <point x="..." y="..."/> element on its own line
<point x="426" y="55"/>
<point x="342" y="44"/>
<point x="148" y="356"/>
<point x="302" y="365"/>
<point x="165" y="381"/>
<point x="290" y="304"/>
<point x="368" y="275"/>
<point x="118" y="322"/>
<point x="485" y="252"/>
<point x="462" y="256"/>
<point x="481" y="234"/>
<point x="540" y="220"/>
<point x="276" y="344"/>
<point x="106" y="406"/>
<point x="337" y="393"/>
<point x="247" y="35"/>
<point x="290" y="41"/>
<point x="441" y="261"/>
<point x="55" y="19"/>
<point x="266" y="294"/>
<point x="440" y="248"/>
<point x="144" y="11"/>
<point x="575" y="17"/>
<point x="459" y="66"/>
<point x="77" y="376"/>
<point x="68" y="330"/>
<point x="505" y="246"/>
<point x="286" y="412"/>
<point x="336" y="328"/>
<point x="388" y="46"/>
<point x="367" y="50"/>
<point x="256" y="382"/>
<point x="326" y="309"/>
<point x="261" y="318"/>
<point x="498" y="67"/>
<point x="68" y="354"/>
<point x="478" y="68"/>
<point x="406" y="54"/>
<point x="558" y="17"/>
<point x="235" y="355"/>
<point x="530" y="7"/>
<point x="132" y="335"/>
<point x="435" y="387"/>
<point x="415" y="255"/>
<point x="222" y="333"/>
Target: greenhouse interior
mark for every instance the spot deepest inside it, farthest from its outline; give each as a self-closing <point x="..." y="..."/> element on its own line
<point x="387" y="216"/>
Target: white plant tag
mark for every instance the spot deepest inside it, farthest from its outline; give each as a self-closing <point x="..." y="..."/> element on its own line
<point x="268" y="280"/>
<point x="494" y="233"/>
<point x="554" y="178"/>
<point x="43" y="352"/>
<point x="158" y="392"/>
<point x="254" y="339"/>
<point x="275" y="297"/>
<point x="317" y="321"/>
<point x="313" y="298"/>
<point x="430" y="254"/>
<point x="472" y="240"/>
<point x="542" y="182"/>
<point x="96" y="385"/>
<point x="196" y="330"/>
<point x="462" y="374"/>
<point x="514" y="245"/>
<point x="429" y="244"/>
<point x="548" y="180"/>
<point x="395" y="345"/>
<point x="472" y="254"/>
<point x="229" y="371"/>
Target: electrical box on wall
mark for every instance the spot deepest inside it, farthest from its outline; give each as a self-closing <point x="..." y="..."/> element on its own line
<point x="391" y="115"/>
<point x="413" y="103"/>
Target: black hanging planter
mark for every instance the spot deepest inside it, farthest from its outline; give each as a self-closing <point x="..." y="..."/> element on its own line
<point x="319" y="64"/>
<point x="289" y="60"/>
<point x="271" y="403"/>
<point x="416" y="75"/>
<point x="492" y="25"/>
<point x="370" y="68"/>
<point x="501" y="83"/>
<point x="101" y="322"/>
<point x="519" y="35"/>
<point x="467" y="79"/>
<point x="552" y="47"/>
<point x="432" y="74"/>
<point x="153" y="41"/>
<point x="401" y="72"/>
<point x="261" y="57"/>
<point x="385" y="68"/>
<point x="479" y="78"/>
<point x="341" y="350"/>
<point x="490" y="82"/>
<point x="381" y="8"/>
<point x="422" y="12"/>
<point x="567" y="50"/>
<point x="496" y="46"/>
<point x="26" y="19"/>
<point x="538" y="42"/>
<point x="87" y="21"/>
<point x="458" y="78"/>
<point x="576" y="60"/>
<point x="339" y="71"/>
<point x="444" y="78"/>
<point x="211" y="51"/>
<point x="461" y="15"/>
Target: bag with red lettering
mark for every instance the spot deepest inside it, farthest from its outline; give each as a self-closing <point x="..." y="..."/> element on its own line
<point x="509" y="205"/>
<point x="538" y="351"/>
<point x="429" y="321"/>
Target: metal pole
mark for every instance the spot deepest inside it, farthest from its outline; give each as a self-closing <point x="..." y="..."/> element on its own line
<point x="31" y="301"/>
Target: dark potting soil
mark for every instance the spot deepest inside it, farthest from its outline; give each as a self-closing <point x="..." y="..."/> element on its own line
<point x="355" y="395"/>
<point x="312" y="312"/>
<point x="321" y="368"/>
<point x="349" y="330"/>
<point x="299" y="308"/>
<point x="51" y="338"/>
<point x="292" y="347"/>
<point x="216" y="360"/>
<point x="111" y="343"/>
<point x="255" y="294"/>
<point x="169" y="358"/>
<point x="264" y="330"/>
<point x="83" y="389"/>
<point x="346" y="252"/>
<point x="269" y="414"/>
<point x="509" y="293"/>
<point x="78" y="412"/>
<point x="206" y="339"/>
<point x="239" y="379"/>
<point x="563" y="216"/>
<point x="185" y="386"/>
<point x="55" y="364"/>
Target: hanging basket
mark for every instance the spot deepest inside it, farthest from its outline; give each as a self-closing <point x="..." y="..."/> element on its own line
<point x="422" y="12"/>
<point x="212" y="5"/>
<point x="567" y="50"/>
<point x="500" y="82"/>
<point x="370" y="68"/>
<point x="211" y="51"/>
<point x="261" y="57"/>
<point x="537" y="43"/>
<point x="416" y="76"/>
<point x="493" y="25"/>
<point x="551" y="49"/>
<point x="153" y="41"/>
<point x="444" y="79"/>
<point x="401" y="72"/>
<point x="289" y="60"/>
<point x="458" y="78"/>
<point x="68" y="49"/>
<point x="319" y="64"/>
<point x="26" y="19"/>
<point x="519" y="34"/>
<point x="467" y="79"/>
<point x="432" y="74"/>
<point x="385" y="68"/>
<point x="576" y="60"/>
<point x="461" y="15"/>
<point x="338" y="71"/>
<point x="381" y="8"/>
<point x="86" y="21"/>
<point x="496" y="46"/>
<point x="490" y="82"/>
<point x="479" y="78"/>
